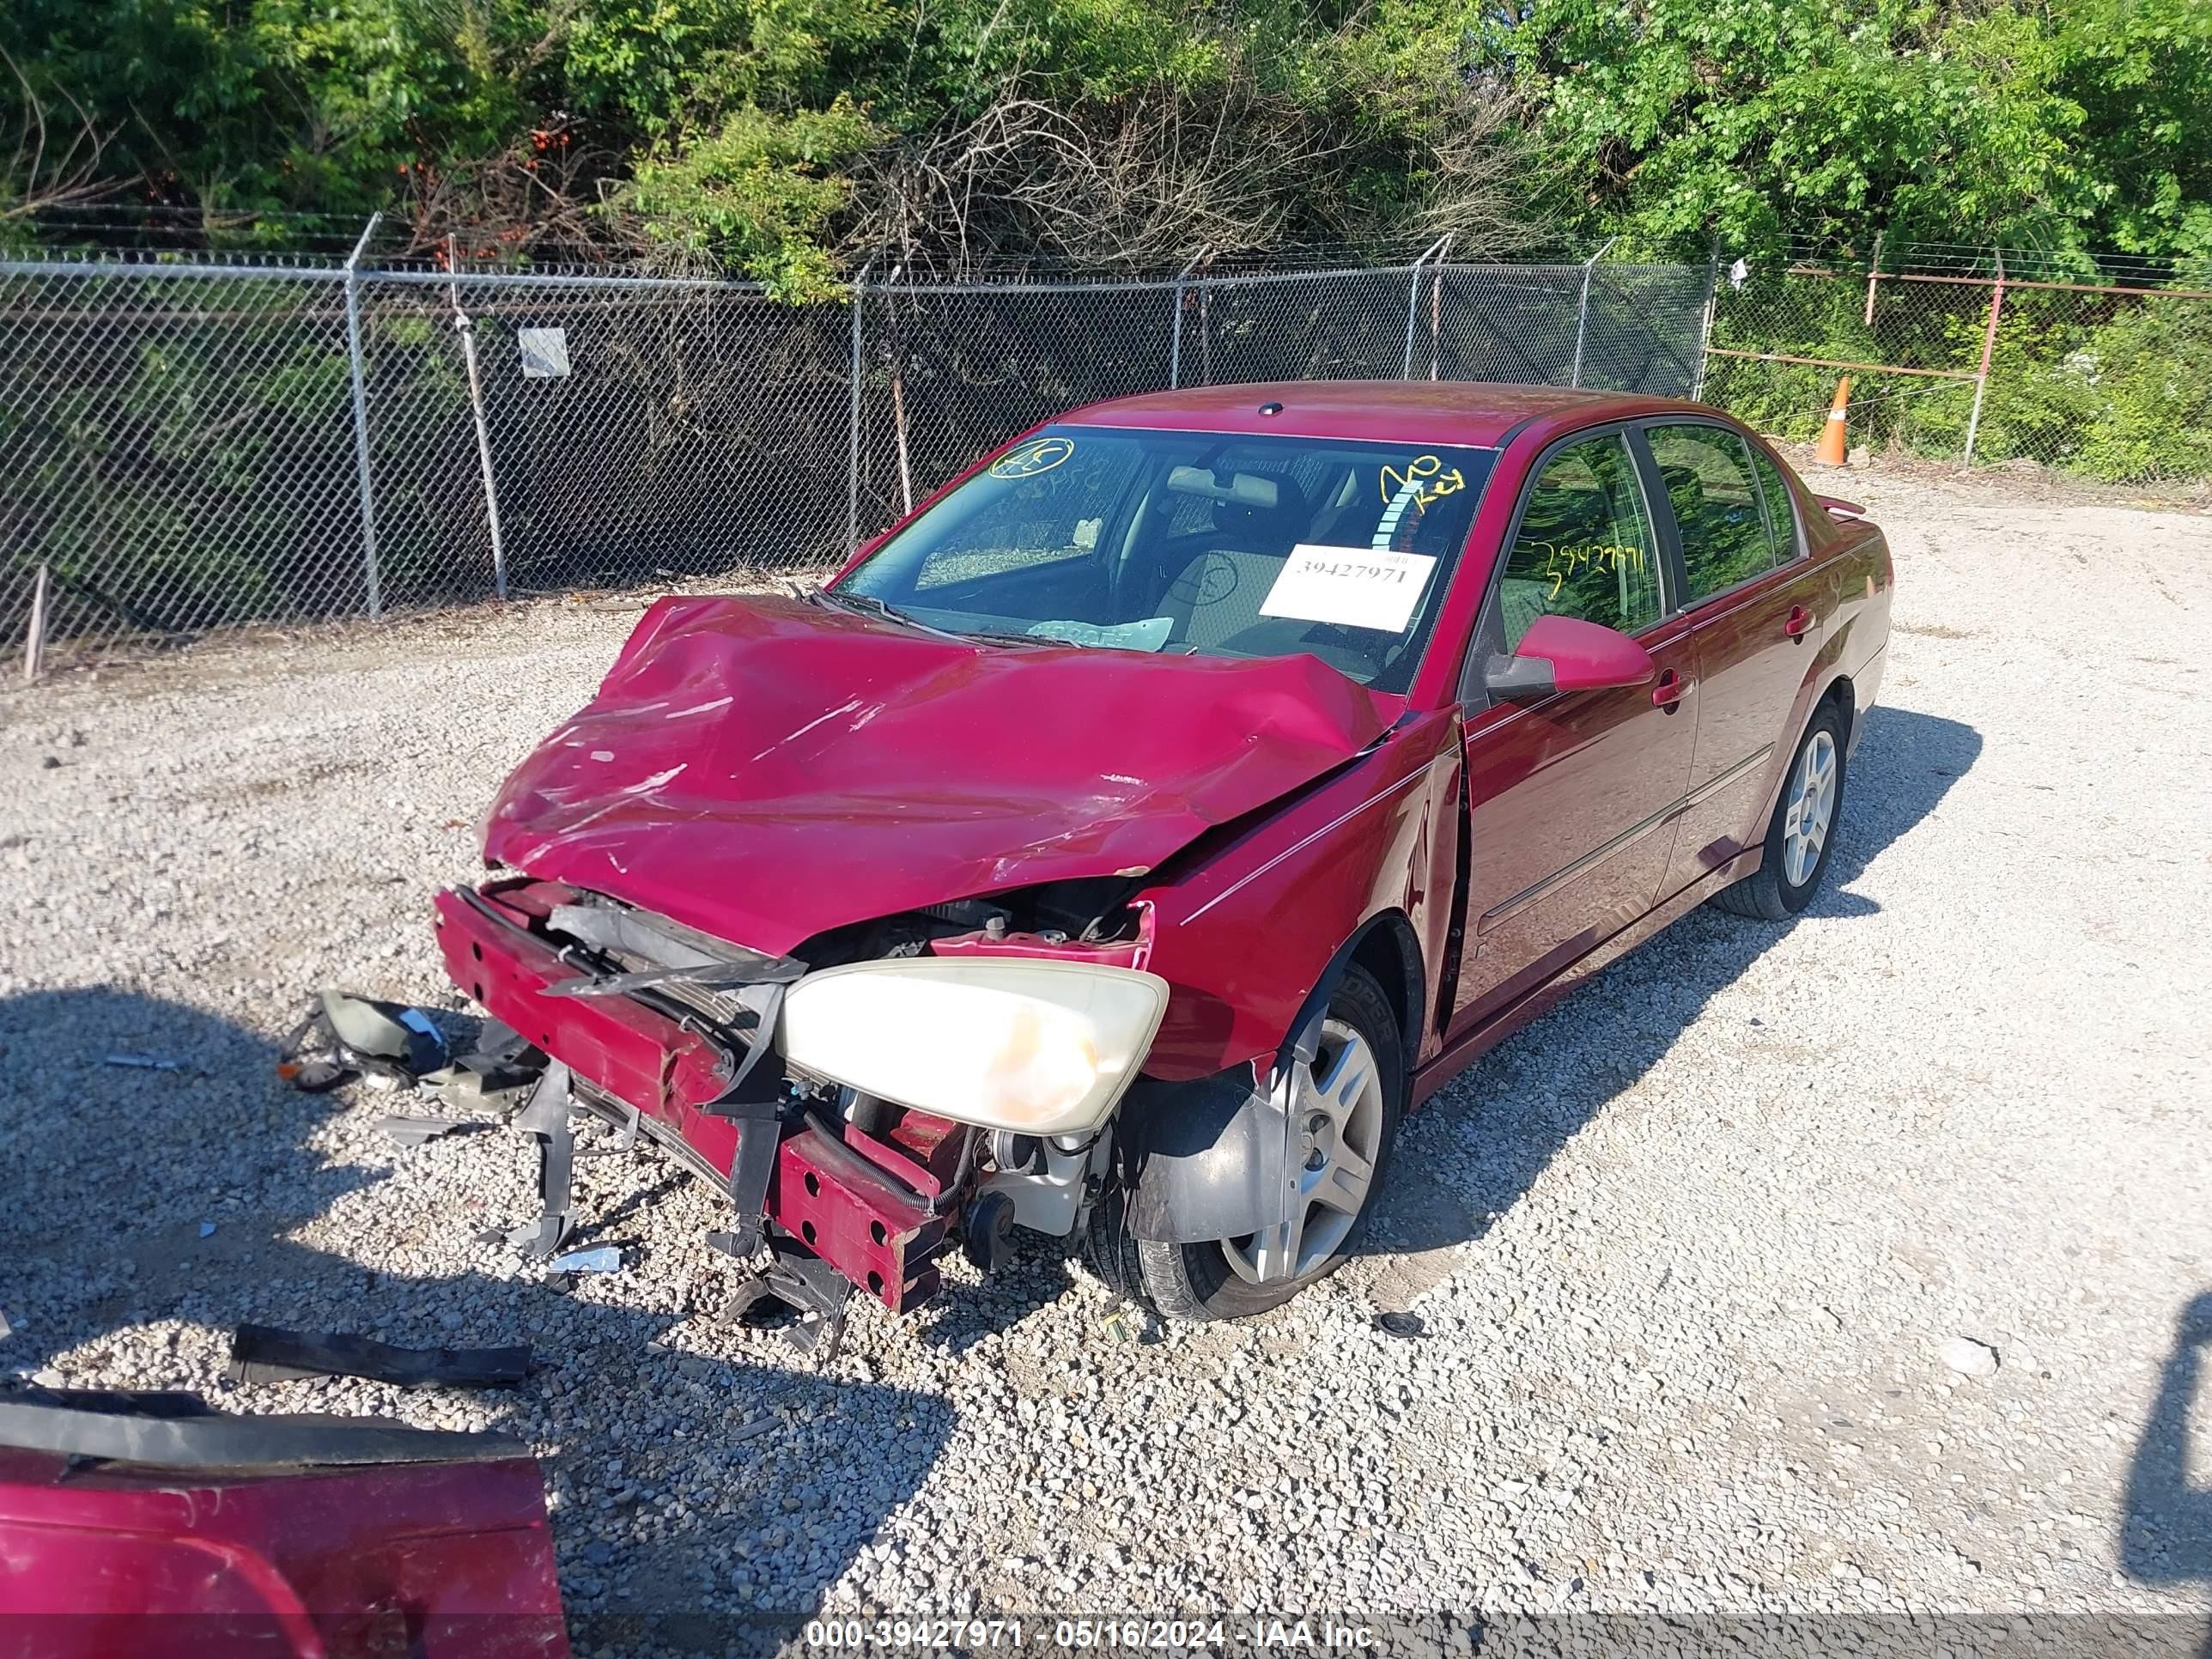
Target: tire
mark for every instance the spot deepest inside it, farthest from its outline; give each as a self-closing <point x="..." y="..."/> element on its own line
<point x="1200" y="1282"/>
<point x="1770" y="893"/>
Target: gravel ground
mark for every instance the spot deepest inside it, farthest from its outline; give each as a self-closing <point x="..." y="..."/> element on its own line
<point x="1687" y="1251"/>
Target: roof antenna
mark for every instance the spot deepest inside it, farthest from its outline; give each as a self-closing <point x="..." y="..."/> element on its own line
<point x="1271" y="409"/>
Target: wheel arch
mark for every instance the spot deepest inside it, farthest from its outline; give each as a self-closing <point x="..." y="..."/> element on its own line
<point x="1840" y="691"/>
<point x="1386" y="947"/>
<point x="1192" y="1154"/>
<point x="1813" y="695"/>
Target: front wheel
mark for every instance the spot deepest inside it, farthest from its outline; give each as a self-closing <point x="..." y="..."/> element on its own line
<point x="1345" y="1106"/>
<point x="1802" y="833"/>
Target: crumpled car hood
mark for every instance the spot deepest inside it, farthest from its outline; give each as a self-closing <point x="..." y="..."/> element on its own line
<point x="764" y="769"/>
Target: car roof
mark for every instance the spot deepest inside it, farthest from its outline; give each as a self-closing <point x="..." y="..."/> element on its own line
<point x="1481" y="413"/>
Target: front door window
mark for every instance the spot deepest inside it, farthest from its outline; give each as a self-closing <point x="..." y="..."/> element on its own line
<point x="1584" y="548"/>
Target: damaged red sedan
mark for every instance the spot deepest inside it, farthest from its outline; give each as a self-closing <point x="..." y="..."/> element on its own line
<point x="1119" y="845"/>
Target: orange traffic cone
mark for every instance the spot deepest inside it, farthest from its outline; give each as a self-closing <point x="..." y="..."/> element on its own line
<point x="1833" y="440"/>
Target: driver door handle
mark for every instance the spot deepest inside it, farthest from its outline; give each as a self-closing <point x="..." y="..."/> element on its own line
<point x="1667" y="694"/>
<point x="1799" y="620"/>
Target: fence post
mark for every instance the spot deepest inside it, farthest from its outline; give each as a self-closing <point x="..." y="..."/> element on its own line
<point x="34" y="639"/>
<point x="361" y="420"/>
<point x="896" y="351"/>
<point x="468" y="333"/>
<point x="1874" y="276"/>
<point x="1582" y="314"/>
<point x="1413" y="300"/>
<point x="1436" y="305"/>
<point x="1989" y="351"/>
<point x="1706" y="321"/>
<point x="1175" y="351"/>
<point x="852" y="435"/>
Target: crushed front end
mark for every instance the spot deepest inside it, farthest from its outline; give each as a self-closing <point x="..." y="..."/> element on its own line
<point x="851" y="915"/>
<point x="866" y="1103"/>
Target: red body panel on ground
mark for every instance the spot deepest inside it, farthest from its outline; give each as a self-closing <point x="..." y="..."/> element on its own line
<point x="416" y="1561"/>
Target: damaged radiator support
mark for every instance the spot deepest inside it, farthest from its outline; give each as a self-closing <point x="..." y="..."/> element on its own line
<point x="882" y="1239"/>
<point x="757" y="1104"/>
<point x="546" y="1118"/>
<point x="866" y="1206"/>
<point x="813" y="1203"/>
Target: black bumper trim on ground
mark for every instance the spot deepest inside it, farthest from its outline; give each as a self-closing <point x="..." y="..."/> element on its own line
<point x="182" y="1431"/>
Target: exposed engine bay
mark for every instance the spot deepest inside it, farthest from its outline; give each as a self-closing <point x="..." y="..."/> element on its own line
<point x="656" y="1028"/>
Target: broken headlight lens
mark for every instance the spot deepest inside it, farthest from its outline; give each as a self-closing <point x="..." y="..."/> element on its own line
<point x="1039" y="1048"/>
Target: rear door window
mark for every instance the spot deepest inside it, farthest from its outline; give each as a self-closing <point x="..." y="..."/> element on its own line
<point x="1714" y="497"/>
<point x="1584" y="548"/>
<point x="1781" y="506"/>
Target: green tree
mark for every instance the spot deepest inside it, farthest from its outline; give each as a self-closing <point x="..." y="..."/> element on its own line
<point x="792" y="132"/>
<point x="2066" y="126"/>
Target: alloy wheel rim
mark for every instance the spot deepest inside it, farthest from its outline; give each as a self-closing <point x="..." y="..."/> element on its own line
<point x="1336" y="1130"/>
<point x="1810" y="811"/>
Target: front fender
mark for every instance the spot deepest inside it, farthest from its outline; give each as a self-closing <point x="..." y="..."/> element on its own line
<point x="1246" y="936"/>
<point x="1202" y="1159"/>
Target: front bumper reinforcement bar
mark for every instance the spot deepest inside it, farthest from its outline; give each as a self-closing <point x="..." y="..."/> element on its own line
<point x="830" y="1202"/>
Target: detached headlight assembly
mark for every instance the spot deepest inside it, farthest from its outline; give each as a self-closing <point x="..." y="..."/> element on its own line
<point x="1039" y="1048"/>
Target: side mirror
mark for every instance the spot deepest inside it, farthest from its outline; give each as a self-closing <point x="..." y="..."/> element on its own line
<point x="1562" y="653"/>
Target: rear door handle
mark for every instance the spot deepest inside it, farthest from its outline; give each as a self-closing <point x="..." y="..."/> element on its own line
<point x="1668" y="692"/>
<point x="1800" y="620"/>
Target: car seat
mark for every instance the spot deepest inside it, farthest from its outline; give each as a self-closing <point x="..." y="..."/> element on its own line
<point x="1218" y="593"/>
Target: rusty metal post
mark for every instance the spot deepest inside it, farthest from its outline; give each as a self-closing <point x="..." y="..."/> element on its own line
<point x="853" y="421"/>
<point x="1436" y="305"/>
<point x="1414" y="300"/>
<point x="467" y="328"/>
<point x="1175" y="349"/>
<point x="34" y="642"/>
<point x="1206" y="333"/>
<point x="1705" y="320"/>
<point x="894" y="345"/>
<point x="1436" y="320"/>
<point x="1989" y="352"/>
<point x="1582" y="314"/>
<point x="371" y="574"/>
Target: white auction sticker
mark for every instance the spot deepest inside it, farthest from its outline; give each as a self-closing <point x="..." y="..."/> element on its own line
<point x="1356" y="587"/>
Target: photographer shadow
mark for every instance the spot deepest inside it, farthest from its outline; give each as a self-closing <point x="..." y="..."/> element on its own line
<point x="2166" y="1525"/>
<point x="150" y="1211"/>
<point x="1474" y="1150"/>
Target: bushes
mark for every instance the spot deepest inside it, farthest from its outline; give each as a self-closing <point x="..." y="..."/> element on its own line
<point x="163" y="431"/>
<point x="2144" y="380"/>
<point x="2113" y="387"/>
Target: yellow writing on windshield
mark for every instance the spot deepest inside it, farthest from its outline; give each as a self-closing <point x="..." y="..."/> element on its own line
<point x="1038" y="455"/>
<point x="1425" y="475"/>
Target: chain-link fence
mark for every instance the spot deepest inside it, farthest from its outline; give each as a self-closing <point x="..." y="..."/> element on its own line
<point x="1978" y="357"/>
<point x="190" y="445"/>
<point x="633" y="431"/>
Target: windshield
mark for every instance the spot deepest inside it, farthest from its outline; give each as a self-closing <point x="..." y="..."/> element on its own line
<point x="1195" y="542"/>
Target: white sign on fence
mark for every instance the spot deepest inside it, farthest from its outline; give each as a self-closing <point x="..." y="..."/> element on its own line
<point x="545" y="353"/>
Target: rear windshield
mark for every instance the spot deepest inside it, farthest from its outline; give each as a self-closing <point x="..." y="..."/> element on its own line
<point x="1195" y="542"/>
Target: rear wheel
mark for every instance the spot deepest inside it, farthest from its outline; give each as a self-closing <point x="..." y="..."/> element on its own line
<point x="1345" y="1105"/>
<point x="1802" y="833"/>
